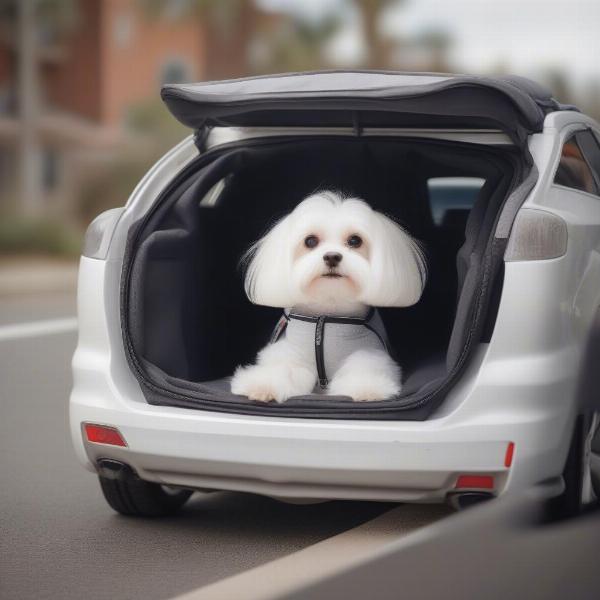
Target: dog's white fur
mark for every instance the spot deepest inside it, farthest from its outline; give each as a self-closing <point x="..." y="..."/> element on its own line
<point x="387" y="270"/>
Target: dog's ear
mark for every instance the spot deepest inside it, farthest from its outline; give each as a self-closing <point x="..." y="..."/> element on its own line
<point x="268" y="267"/>
<point x="398" y="267"/>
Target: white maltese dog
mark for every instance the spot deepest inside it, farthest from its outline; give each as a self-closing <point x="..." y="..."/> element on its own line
<point x="327" y="264"/>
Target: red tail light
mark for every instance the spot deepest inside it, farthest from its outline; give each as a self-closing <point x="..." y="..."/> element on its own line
<point x="481" y="482"/>
<point x="510" y="451"/>
<point x="101" y="434"/>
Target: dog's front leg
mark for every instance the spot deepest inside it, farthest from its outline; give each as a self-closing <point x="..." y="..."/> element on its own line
<point x="280" y="372"/>
<point x="366" y="375"/>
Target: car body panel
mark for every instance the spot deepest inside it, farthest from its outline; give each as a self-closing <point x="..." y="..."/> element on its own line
<point x="519" y="388"/>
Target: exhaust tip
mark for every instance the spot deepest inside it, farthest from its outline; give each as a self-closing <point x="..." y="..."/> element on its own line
<point x="462" y="500"/>
<point x="113" y="469"/>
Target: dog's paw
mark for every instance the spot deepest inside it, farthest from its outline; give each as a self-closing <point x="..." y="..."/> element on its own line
<point x="273" y="379"/>
<point x="262" y="393"/>
<point x="367" y="376"/>
<point x="246" y="383"/>
<point x="258" y="383"/>
<point x="364" y="391"/>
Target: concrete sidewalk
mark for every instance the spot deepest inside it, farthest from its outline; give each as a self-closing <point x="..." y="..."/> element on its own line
<point x="25" y="275"/>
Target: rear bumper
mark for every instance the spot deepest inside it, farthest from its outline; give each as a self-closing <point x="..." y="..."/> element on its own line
<point x="292" y="458"/>
<point x="525" y="399"/>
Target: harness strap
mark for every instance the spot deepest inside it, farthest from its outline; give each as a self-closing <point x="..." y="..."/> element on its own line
<point x="320" y="322"/>
<point x="319" y="339"/>
<point x="279" y="328"/>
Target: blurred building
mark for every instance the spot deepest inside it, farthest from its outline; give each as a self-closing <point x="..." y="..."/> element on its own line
<point x="89" y="75"/>
<point x="120" y="56"/>
<point x="80" y="115"/>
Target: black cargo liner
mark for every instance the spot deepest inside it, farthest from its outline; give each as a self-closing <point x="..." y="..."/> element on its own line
<point x="182" y="343"/>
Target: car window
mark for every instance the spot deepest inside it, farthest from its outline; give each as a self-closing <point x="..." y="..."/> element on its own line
<point x="451" y="199"/>
<point x="591" y="151"/>
<point x="573" y="170"/>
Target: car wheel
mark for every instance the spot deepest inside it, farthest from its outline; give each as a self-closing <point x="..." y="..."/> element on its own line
<point x="579" y="477"/>
<point x="590" y="491"/>
<point x="132" y="496"/>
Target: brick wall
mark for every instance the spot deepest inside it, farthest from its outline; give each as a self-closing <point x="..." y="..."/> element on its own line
<point x="137" y="49"/>
<point x="117" y="57"/>
<point x="74" y="84"/>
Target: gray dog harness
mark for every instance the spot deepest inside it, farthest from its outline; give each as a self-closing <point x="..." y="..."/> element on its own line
<point x="331" y="339"/>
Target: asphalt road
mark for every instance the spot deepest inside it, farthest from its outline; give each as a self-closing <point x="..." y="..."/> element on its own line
<point x="58" y="537"/>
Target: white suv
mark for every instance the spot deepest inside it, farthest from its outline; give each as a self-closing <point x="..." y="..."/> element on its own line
<point x="499" y="181"/>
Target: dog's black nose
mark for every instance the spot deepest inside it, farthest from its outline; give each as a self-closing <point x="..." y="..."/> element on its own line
<point x="332" y="259"/>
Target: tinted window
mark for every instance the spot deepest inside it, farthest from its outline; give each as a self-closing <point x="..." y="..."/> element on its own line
<point x="573" y="170"/>
<point x="588" y="143"/>
<point x="451" y="199"/>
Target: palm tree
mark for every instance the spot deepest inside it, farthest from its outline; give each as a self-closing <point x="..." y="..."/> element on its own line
<point x="297" y="44"/>
<point x="378" y="48"/>
<point x="437" y="42"/>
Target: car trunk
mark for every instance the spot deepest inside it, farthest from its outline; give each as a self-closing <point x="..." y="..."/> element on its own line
<point x="185" y="318"/>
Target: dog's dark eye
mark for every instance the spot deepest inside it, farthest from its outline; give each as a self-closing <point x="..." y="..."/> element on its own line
<point x="311" y="241"/>
<point x="354" y="241"/>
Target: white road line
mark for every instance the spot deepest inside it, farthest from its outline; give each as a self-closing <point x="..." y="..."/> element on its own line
<point x="324" y="559"/>
<point x="37" y="328"/>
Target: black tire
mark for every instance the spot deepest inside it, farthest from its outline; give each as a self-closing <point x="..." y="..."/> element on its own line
<point x="133" y="496"/>
<point x="573" y="473"/>
<point x="570" y="503"/>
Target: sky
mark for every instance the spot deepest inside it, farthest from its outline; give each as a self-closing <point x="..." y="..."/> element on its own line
<point x="528" y="37"/>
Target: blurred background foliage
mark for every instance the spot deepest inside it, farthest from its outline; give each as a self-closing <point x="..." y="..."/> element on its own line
<point x="80" y="114"/>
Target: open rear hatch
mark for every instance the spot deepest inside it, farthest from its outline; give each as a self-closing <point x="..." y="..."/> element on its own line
<point x="166" y="272"/>
<point x="514" y="105"/>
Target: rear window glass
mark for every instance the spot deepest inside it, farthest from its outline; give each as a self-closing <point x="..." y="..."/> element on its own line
<point x="573" y="170"/>
<point x="590" y="147"/>
<point x="451" y="199"/>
